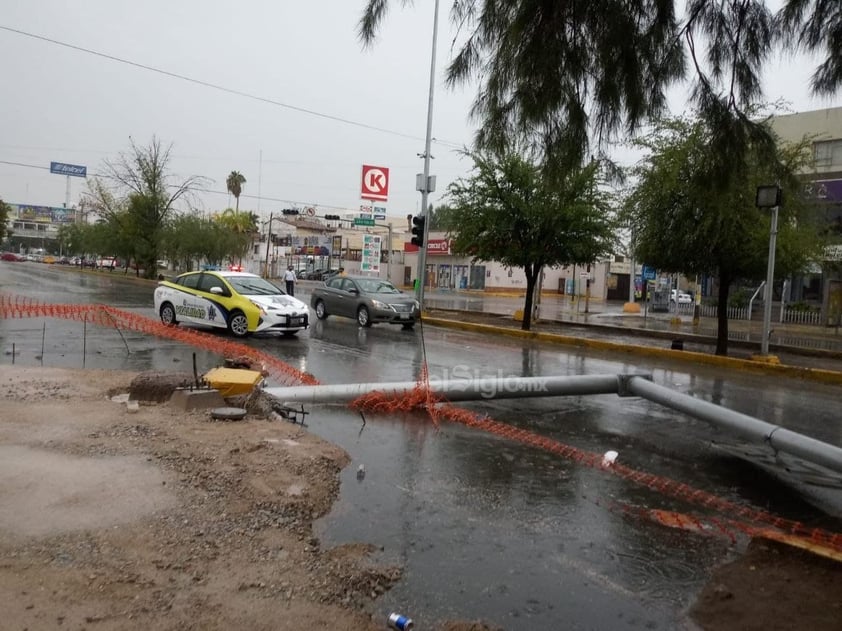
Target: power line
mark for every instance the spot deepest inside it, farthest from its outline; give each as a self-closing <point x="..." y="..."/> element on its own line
<point x="203" y="190"/>
<point x="216" y="86"/>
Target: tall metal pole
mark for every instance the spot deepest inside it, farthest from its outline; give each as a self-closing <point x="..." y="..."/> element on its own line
<point x="389" y="256"/>
<point x="425" y="187"/>
<point x="259" y="181"/>
<point x="268" y="241"/>
<point x="770" y="278"/>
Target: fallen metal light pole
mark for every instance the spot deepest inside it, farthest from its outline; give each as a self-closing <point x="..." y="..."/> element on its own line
<point x="741" y="425"/>
<point x="460" y="389"/>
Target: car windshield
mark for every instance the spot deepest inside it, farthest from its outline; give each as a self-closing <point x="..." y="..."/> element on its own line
<point x="376" y="286"/>
<point x="253" y="286"/>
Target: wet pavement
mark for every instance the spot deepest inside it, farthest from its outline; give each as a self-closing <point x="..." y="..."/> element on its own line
<point x="485" y="527"/>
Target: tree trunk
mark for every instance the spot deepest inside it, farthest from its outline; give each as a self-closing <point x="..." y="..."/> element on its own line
<point x="722" y="315"/>
<point x="237" y="203"/>
<point x="531" y="277"/>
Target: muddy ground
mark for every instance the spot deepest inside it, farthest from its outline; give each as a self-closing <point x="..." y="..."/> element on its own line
<point x="164" y="519"/>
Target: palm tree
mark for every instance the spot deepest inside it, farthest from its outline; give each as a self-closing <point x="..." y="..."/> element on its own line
<point x="235" y="183"/>
<point x="244" y="225"/>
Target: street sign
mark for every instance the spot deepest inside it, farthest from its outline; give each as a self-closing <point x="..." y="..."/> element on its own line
<point x="648" y="272"/>
<point x="68" y="169"/>
<point x="375" y="183"/>
<point x="371" y="253"/>
<point x="359" y="221"/>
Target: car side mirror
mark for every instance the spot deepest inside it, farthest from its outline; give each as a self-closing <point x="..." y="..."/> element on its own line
<point x="353" y="290"/>
<point x="216" y="290"/>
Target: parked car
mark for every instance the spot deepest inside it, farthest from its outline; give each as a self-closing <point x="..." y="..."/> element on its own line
<point x="368" y="300"/>
<point x="241" y="302"/>
<point x="11" y="256"/>
<point x="683" y="298"/>
<point x="107" y="262"/>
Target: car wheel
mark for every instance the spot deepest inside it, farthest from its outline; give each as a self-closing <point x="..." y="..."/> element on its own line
<point x="238" y="324"/>
<point x="363" y="316"/>
<point x="321" y="311"/>
<point x="167" y="314"/>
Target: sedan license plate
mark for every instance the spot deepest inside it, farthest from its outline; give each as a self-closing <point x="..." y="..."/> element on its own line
<point x="403" y="316"/>
<point x="295" y="321"/>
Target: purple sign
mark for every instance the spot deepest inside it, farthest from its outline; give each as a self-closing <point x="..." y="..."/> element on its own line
<point x="825" y="190"/>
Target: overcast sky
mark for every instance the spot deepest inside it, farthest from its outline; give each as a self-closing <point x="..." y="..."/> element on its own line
<point x="66" y="105"/>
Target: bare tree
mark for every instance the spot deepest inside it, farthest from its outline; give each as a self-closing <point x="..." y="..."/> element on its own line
<point x="139" y="182"/>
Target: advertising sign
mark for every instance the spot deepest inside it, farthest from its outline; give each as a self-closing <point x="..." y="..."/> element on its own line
<point x="375" y="183"/>
<point x="42" y="214"/>
<point x="435" y="247"/>
<point x="75" y="170"/>
<point x="825" y="190"/>
<point x="371" y="254"/>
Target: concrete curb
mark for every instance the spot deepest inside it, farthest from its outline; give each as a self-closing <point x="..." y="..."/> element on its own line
<point x="780" y="370"/>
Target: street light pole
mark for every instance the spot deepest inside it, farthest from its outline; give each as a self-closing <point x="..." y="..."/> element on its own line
<point x="769" y="197"/>
<point x="425" y="187"/>
<point x="770" y="278"/>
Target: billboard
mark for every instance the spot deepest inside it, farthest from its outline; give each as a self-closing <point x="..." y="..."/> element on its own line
<point x="42" y="214"/>
<point x="76" y="170"/>
<point x="825" y="190"/>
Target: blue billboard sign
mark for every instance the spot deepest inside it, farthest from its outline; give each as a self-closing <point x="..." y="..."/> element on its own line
<point x="75" y="170"/>
<point x="648" y="272"/>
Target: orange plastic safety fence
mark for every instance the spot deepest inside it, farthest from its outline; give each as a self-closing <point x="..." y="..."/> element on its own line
<point x="12" y="306"/>
<point x="384" y="402"/>
<point x="420" y="397"/>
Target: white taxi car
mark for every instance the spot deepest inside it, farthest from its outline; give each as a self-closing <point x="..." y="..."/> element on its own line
<point x="241" y="302"/>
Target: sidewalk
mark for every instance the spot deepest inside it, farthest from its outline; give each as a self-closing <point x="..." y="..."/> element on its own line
<point x="795" y="345"/>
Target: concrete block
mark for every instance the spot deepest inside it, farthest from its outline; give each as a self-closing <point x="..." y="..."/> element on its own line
<point x="187" y="399"/>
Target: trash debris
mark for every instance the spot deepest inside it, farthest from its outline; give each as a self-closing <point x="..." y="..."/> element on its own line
<point x="609" y="458"/>
<point x="361" y="472"/>
<point x="289" y="413"/>
<point x="132" y="406"/>
<point x="399" y="622"/>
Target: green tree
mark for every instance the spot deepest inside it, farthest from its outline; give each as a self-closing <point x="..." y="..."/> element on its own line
<point x="139" y="183"/>
<point x="509" y="211"/>
<point x="558" y="74"/>
<point x="683" y="223"/>
<point x="5" y="211"/>
<point x="235" y="182"/>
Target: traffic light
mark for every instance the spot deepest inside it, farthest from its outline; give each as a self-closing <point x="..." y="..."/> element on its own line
<point x="332" y="217"/>
<point x="290" y="211"/>
<point x="418" y="231"/>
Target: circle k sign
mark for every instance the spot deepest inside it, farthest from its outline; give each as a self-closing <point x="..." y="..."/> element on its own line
<point x="375" y="185"/>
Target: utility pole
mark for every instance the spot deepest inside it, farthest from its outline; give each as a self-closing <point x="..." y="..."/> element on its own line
<point x="425" y="185"/>
<point x="268" y="240"/>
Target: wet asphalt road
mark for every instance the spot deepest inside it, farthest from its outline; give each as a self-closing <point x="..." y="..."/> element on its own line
<point x="487" y="528"/>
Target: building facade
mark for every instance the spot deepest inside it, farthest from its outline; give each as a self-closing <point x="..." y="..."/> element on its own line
<point x="822" y="284"/>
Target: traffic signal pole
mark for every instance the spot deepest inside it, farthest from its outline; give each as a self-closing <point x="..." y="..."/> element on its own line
<point x="425" y="184"/>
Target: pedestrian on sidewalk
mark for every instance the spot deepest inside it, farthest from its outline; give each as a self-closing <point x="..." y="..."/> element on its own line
<point x="289" y="279"/>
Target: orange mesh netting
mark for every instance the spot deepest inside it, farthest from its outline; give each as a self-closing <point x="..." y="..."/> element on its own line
<point x="741" y="519"/>
<point x="102" y="315"/>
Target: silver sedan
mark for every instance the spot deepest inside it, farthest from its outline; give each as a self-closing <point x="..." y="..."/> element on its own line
<point x="367" y="300"/>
